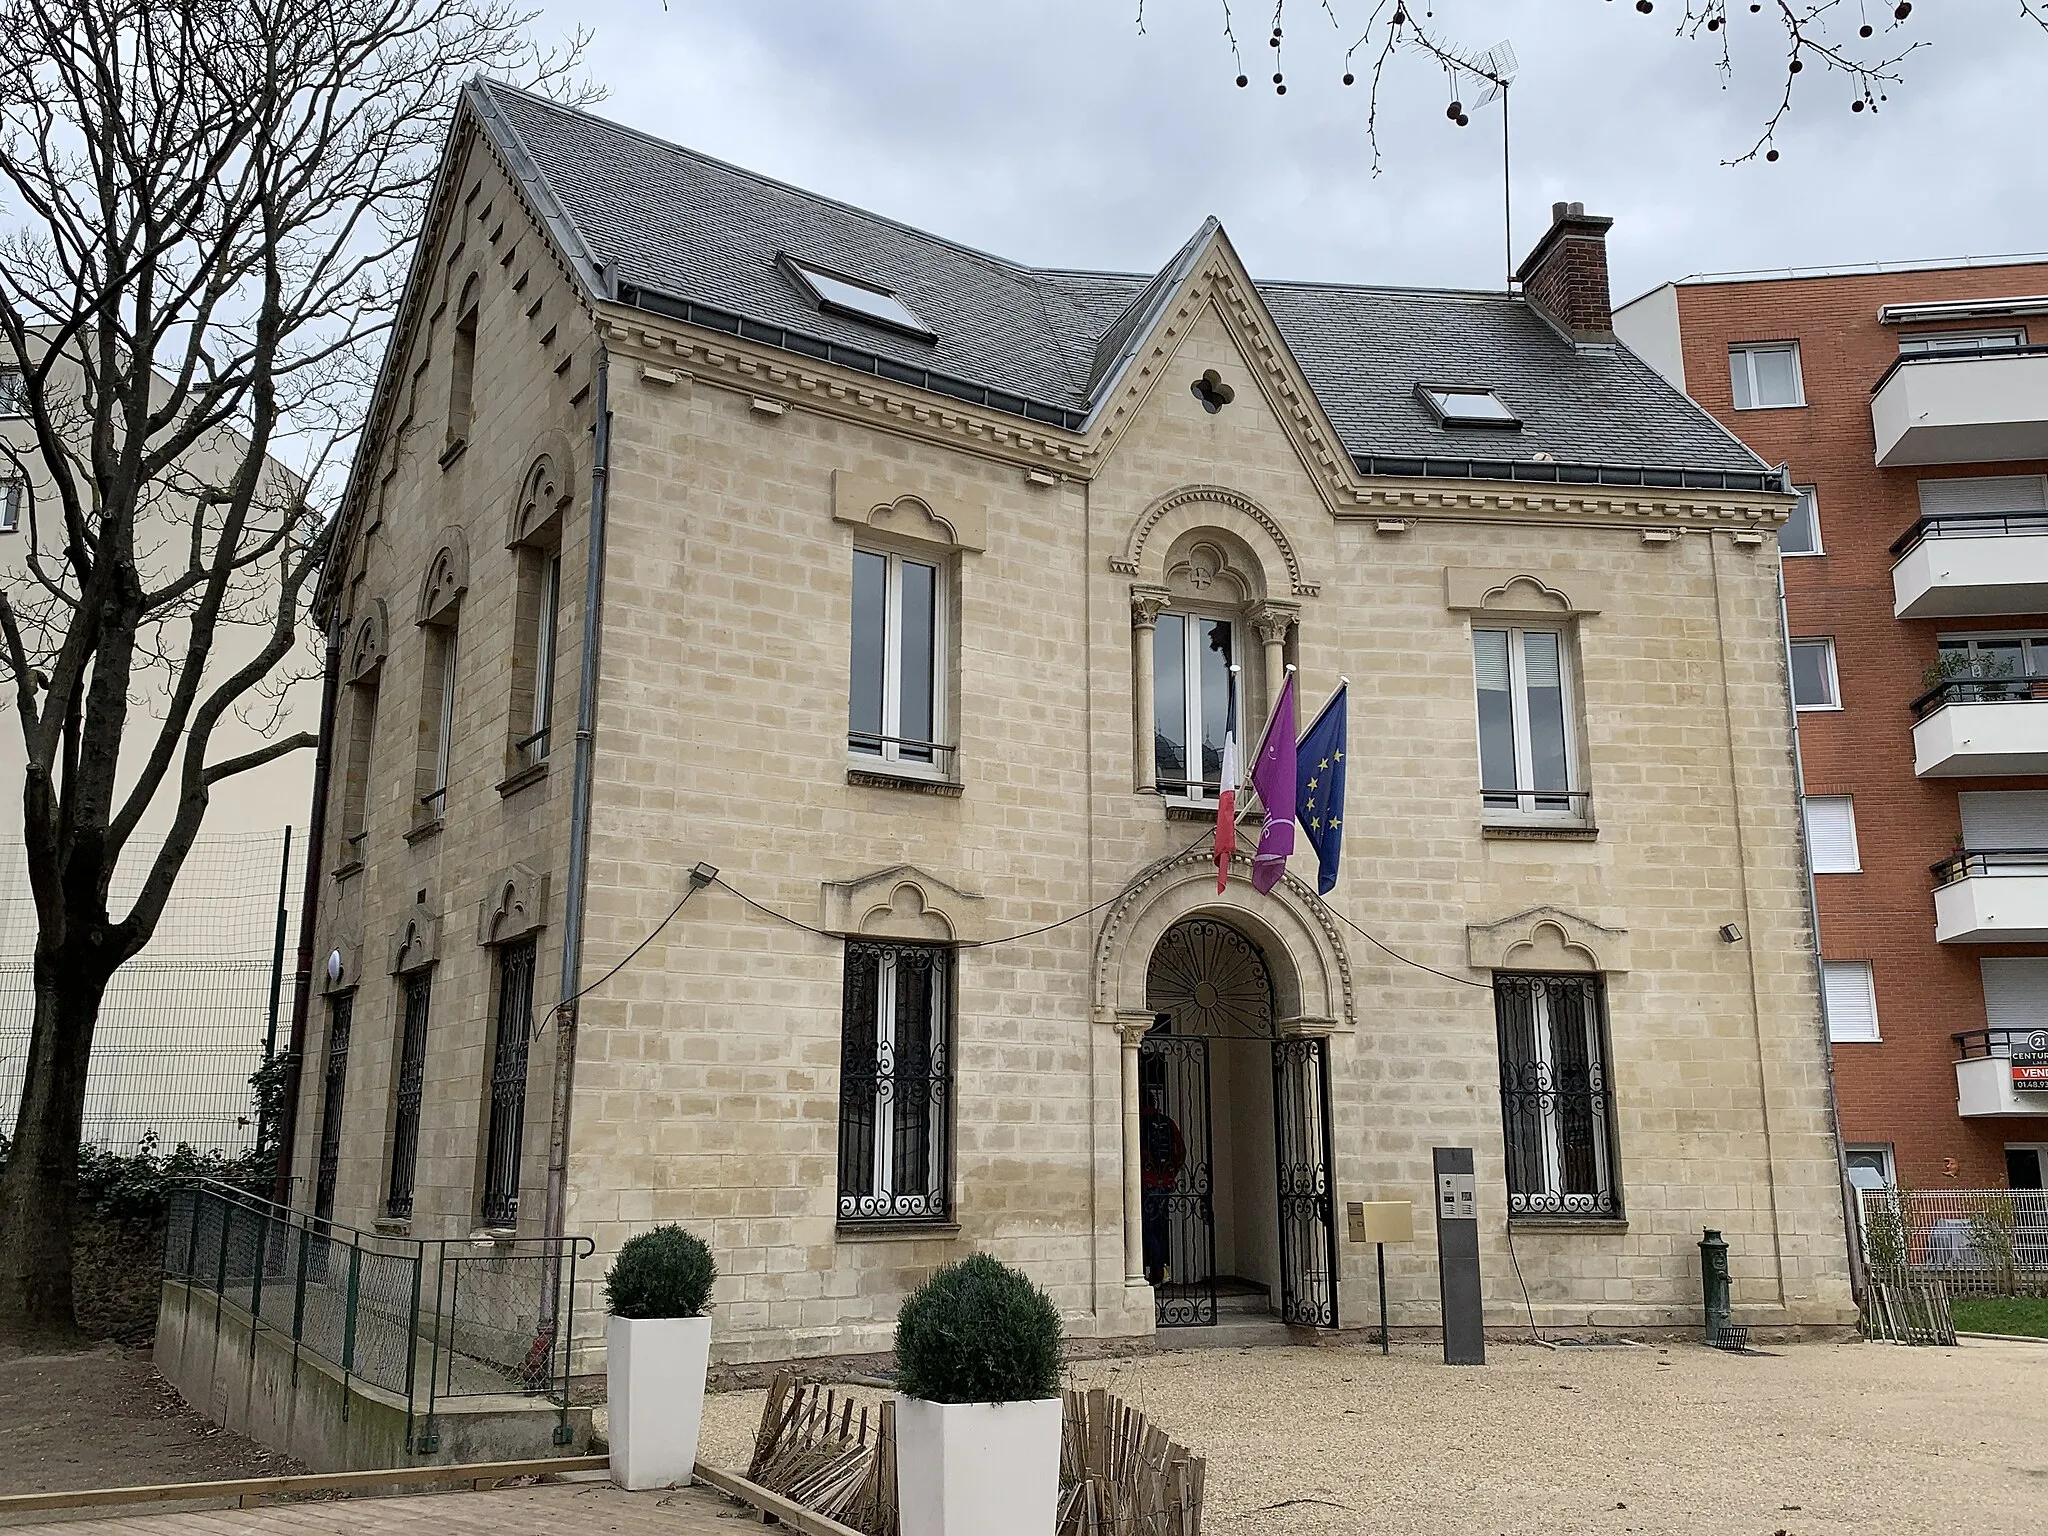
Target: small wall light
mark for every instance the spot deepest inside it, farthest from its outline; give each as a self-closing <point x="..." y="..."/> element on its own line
<point x="1731" y="933"/>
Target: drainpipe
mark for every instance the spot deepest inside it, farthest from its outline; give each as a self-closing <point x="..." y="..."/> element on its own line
<point x="1852" y="1222"/>
<point x="579" y="851"/>
<point x="309" y="906"/>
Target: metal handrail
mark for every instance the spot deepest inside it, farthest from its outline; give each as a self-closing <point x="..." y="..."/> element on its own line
<point x="379" y="1307"/>
<point x="1989" y="861"/>
<point x="1970" y="525"/>
<point x="858" y="740"/>
<point x="2018" y="688"/>
<point x="1918" y="359"/>
<point x="1980" y="1044"/>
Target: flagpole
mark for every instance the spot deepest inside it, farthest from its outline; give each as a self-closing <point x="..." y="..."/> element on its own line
<point x="1265" y="736"/>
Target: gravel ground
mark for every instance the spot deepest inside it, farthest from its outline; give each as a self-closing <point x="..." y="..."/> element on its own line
<point x="1803" y="1440"/>
<point x="104" y="1419"/>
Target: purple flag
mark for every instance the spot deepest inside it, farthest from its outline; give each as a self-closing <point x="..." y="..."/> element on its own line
<point x="1273" y="777"/>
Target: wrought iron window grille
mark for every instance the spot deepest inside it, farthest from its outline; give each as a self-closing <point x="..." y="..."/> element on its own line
<point x="896" y="1084"/>
<point x="508" y="1083"/>
<point x="340" y="1019"/>
<point x="1556" y="1104"/>
<point x="412" y="1063"/>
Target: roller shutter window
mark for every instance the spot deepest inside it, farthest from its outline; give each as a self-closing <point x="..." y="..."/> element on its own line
<point x="1852" y="1000"/>
<point x="1984" y="493"/>
<point x="1831" y="835"/>
<point x="2016" y="992"/>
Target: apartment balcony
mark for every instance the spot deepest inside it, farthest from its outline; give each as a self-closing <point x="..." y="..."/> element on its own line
<point x="1962" y="408"/>
<point x="1972" y="564"/>
<point x="1982" y="727"/>
<point x="2001" y="1072"/>
<point x="1992" y="896"/>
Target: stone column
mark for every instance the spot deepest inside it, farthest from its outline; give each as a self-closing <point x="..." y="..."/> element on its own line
<point x="1146" y="605"/>
<point x="1271" y="620"/>
<point x="1133" y="1027"/>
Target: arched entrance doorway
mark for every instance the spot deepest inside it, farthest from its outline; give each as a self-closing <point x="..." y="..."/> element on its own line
<point x="1234" y="1136"/>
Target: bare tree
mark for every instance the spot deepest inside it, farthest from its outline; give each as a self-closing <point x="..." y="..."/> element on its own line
<point x="1863" y="44"/>
<point x="210" y="210"/>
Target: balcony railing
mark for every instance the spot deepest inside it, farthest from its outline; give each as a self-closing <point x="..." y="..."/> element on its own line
<point x="1969" y="525"/>
<point x="1989" y="861"/>
<point x="1978" y="1044"/>
<point x="2020" y="688"/>
<point x="1962" y="407"/>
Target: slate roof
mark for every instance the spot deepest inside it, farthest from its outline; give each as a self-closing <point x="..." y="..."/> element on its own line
<point x="684" y="234"/>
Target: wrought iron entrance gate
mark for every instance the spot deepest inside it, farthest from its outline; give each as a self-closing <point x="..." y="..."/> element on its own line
<point x="1177" y="1148"/>
<point x="1301" y="1135"/>
<point x="1209" y="982"/>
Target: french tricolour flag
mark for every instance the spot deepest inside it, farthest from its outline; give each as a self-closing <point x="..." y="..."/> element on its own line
<point x="1226" y="795"/>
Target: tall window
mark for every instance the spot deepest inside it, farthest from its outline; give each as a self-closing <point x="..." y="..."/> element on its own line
<point x="1194" y="693"/>
<point x="543" y="717"/>
<point x="1555" y="1096"/>
<point x="1527" y="755"/>
<point x="437" y="721"/>
<point x="462" y="365"/>
<point x="507" y="1123"/>
<point x="11" y="393"/>
<point x="412" y="1070"/>
<point x="1851" y="988"/>
<point x="1764" y="377"/>
<point x="895" y="1083"/>
<point x="896" y="694"/>
<point x="12" y="494"/>
<point x="1815" y="684"/>
<point x="355" y="783"/>
<point x="1801" y="533"/>
<point x="340" y="1017"/>
<point x="1831" y="835"/>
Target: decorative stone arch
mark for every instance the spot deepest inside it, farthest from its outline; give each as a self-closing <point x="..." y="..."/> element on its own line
<point x="1213" y="565"/>
<point x="918" y="515"/>
<point x="1546" y="939"/>
<point x="1195" y="506"/>
<point x="368" y="645"/>
<point x="516" y="906"/>
<point x="445" y="579"/>
<point x="901" y="902"/>
<point x="416" y="942"/>
<point x="1313" y="992"/>
<point x="1506" y="593"/>
<point x="543" y="493"/>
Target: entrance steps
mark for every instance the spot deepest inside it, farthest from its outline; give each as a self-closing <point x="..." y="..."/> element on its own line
<point x="1244" y="1320"/>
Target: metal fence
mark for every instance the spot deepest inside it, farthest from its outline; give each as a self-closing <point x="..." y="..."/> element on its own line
<point x="184" y="1024"/>
<point x="424" y="1319"/>
<point x="1977" y="1242"/>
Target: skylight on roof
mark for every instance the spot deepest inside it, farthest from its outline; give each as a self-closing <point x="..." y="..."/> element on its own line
<point x="843" y="296"/>
<point x="1459" y="405"/>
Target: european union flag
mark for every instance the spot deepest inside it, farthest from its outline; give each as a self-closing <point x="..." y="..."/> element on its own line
<point x="1319" y="788"/>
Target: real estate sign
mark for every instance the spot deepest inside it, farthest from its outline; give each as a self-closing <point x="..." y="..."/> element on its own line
<point x="2030" y="1062"/>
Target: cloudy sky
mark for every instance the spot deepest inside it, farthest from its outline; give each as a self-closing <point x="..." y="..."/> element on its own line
<point x="1051" y="131"/>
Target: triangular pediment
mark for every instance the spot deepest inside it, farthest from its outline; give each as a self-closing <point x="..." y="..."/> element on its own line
<point x="1207" y="278"/>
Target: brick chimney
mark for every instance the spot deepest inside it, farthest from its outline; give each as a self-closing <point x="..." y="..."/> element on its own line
<point x="1566" y="275"/>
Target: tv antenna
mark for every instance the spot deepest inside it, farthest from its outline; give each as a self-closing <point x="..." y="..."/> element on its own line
<point x="1497" y="66"/>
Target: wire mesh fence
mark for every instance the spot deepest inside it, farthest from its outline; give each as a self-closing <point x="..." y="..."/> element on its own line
<point x="186" y="1022"/>
<point x="424" y="1319"/>
<point x="1977" y="1242"/>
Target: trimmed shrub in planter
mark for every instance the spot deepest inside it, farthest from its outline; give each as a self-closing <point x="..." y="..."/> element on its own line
<point x="657" y="1345"/>
<point x="978" y="1405"/>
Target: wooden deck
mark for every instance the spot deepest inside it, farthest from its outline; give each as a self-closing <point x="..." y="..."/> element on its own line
<point x="556" y="1509"/>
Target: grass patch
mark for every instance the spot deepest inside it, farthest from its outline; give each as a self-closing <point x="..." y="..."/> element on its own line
<point x="2002" y="1314"/>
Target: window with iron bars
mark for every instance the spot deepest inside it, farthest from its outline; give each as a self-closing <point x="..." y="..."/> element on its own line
<point x="1556" y="1102"/>
<point x="340" y="1016"/>
<point x="896" y="1084"/>
<point x="508" y="1083"/>
<point x="412" y="1065"/>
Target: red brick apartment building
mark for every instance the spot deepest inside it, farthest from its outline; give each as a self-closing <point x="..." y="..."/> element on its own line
<point x="1912" y="409"/>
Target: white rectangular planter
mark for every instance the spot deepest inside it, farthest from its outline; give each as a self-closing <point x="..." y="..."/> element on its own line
<point x="978" y="1469"/>
<point x="654" y="1369"/>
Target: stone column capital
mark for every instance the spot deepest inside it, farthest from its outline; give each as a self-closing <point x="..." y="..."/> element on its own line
<point x="1272" y="620"/>
<point x="1147" y="603"/>
<point x="1134" y="1027"/>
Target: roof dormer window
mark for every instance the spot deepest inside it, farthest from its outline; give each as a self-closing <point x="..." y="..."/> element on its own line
<point x="836" y="294"/>
<point x="1467" y="405"/>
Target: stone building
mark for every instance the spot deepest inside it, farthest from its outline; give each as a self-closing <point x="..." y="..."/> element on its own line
<point x="918" y="581"/>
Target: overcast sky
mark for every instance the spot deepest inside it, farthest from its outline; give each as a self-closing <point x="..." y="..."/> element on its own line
<point x="1052" y="132"/>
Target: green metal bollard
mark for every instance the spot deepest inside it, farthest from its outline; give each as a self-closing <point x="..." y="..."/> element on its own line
<point x="1714" y="1283"/>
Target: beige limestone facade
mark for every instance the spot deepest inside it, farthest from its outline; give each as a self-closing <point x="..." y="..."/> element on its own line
<point x="738" y="482"/>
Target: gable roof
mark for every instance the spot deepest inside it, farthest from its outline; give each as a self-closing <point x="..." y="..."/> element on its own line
<point x="683" y="234"/>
